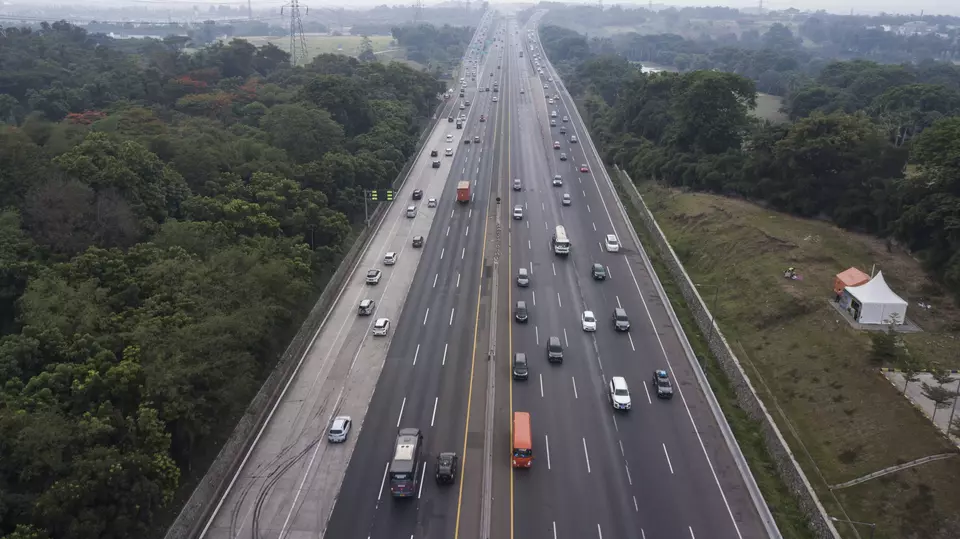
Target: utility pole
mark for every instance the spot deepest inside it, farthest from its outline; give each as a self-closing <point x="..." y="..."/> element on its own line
<point x="298" y="44"/>
<point x="418" y="11"/>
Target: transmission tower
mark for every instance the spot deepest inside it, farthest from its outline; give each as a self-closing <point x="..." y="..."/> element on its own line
<point x="298" y="44"/>
<point x="418" y="11"/>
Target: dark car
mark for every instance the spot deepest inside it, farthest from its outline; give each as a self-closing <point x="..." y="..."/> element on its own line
<point x="450" y="118"/>
<point x="520" y="368"/>
<point x="418" y="241"/>
<point x="521" y="313"/>
<point x="466" y="140"/>
<point x="662" y="385"/>
<point x="599" y="272"/>
<point x="417" y="194"/>
<point x="554" y="350"/>
<point x="436" y="163"/>
<point x="433" y="153"/>
<point x="447" y="464"/>
<point x="620" y="320"/>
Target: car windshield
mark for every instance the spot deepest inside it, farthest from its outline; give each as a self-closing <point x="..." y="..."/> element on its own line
<point x="588" y="318"/>
<point x="372" y="273"/>
<point x="621" y="393"/>
<point x="663" y="382"/>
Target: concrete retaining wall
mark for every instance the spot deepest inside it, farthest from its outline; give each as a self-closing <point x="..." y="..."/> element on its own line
<point x="787" y="466"/>
<point x="219" y="476"/>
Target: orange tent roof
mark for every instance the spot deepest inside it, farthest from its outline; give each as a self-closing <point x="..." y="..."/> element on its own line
<point x="849" y="277"/>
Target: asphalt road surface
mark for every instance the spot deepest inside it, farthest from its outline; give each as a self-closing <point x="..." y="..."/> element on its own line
<point x="659" y="470"/>
<point x="288" y="485"/>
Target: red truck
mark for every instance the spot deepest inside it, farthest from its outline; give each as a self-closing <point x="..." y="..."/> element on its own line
<point x="463" y="192"/>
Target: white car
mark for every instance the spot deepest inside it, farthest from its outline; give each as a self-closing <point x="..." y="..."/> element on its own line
<point x="518" y="213"/>
<point x="521" y="91"/>
<point x="381" y="327"/>
<point x="449" y="151"/>
<point x="588" y="321"/>
<point x="566" y="200"/>
<point x="339" y="429"/>
<point x="557" y="181"/>
<point x="373" y="276"/>
<point x="494" y="99"/>
<point x="619" y="393"/>
<point x="390" y="259"/>
<point x="611" y="243"/>
<point x="431" y="203"/>
<point x="449" y="138"/>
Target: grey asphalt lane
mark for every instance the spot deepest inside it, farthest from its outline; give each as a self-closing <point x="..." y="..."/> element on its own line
<point x="660" y="470"/>
<point x="425" y="381"/>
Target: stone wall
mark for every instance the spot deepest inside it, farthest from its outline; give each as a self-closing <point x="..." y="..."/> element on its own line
<point x="787" y="466"/>
<point x="219" y="476"/>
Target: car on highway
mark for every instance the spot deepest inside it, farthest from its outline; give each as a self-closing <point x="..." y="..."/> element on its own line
<point x="553" y="123"/>
<point x="466" y="140"/>
<point x="449" y="137"/>
<point x="662" y="385"/>
<point x="494" y="99"/>
<point x="450" y="119"/>
<point x="584" y="168"/>
<point x="611" y="243"/>
<point x="557" y="181"/>
<point x="563" y="157"/>
<point x="554" y="350"/>
<point x="545" y="86"/>
<point x="521" y="313"/>
<point x="566" y="200"/>
<point x="599" y="272"/>
<point x="366" y="307"/>
<point x="517" y="185"/>
<point x="620" y="320"/>
<point x="549" y="99"/>
<point x="381" y="327"/>
<point x="563" y="130"/>
<point x="433" y="153"/>
<point x="431" y="203"/>
<point x="339" y="429"/>
<point x="373" y="276"/>
<point x="417" y="242"/>
<point x="483" y="118"/>
<point x="476" y="139"/>
<point x="521" y="371"/>
<point x="411" y="212"/>
<point x="390" y="259"/>
<point x="518" y="213"/>
<point x="588" y="321"/>
<point x="521" y="91"/>
<point x="417" y="194"/>
<point x="447" y="464"/>
<point x="573" y="139"/>
<point x="556" y="145"/>
<point x="553" y="114"/>
<point x="462" y="106"/>
<point x="619" y="393"/>
<point x="523" y="278"/>
<point x="467" y="103"/>
<point x="566" y="118"/>
<point x="448" y="152"/>
<point x="436" y="163"/>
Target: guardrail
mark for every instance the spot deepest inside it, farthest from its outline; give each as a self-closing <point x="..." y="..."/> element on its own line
<point x="219" y="477"/>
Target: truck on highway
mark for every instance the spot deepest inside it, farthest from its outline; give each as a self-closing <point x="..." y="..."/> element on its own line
<point x="463" y="192"/>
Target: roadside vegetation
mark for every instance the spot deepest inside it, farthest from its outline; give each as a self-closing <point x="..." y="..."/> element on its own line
<point x="742" y="199"/>
<point x="166" y="221"/>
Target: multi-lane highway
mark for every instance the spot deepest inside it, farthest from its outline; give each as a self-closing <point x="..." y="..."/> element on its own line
<point x="661" y="469"/>
<point x="288" y="484"/>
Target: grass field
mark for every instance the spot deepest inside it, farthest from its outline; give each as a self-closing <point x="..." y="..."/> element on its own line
<point x="320" y="44"/>
<point x="843" y="419"/>
<point x="768" y="108"/>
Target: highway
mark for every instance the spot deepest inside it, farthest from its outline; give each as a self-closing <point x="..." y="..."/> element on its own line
<point x="287" y="486"/>
<point x="659" y="470"/>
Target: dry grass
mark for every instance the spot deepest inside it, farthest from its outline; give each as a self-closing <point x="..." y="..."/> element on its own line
<point x="320" y="44"/>
<point x="816" y="368"/>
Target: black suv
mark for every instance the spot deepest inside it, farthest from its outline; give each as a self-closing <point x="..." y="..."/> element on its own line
<point x="433" y="153"/>
<point x="447" y="464"/>
<point x="599" y="272"/>
<point x="417" y="194"/>
<point x="620" y="320"/>
<point x="521" y="313"/>
<point x="520" y="368"/>
<point x="554" y="350"/>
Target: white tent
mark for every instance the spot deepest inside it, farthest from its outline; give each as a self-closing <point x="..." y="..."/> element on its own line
<point x="878" y="304"/>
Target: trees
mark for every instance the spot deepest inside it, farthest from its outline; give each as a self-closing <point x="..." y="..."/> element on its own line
<point x="166" y="220"/>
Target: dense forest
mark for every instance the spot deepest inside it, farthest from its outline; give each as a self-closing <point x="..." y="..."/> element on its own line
<point x="166" y="221"/>
<point x="872" y="147"/>
<point x="438" y="48"/>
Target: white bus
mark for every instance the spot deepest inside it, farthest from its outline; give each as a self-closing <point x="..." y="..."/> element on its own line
<point x="560" y="241"/>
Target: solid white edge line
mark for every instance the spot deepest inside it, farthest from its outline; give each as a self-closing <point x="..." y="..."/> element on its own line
<point x="384" y="480"/>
